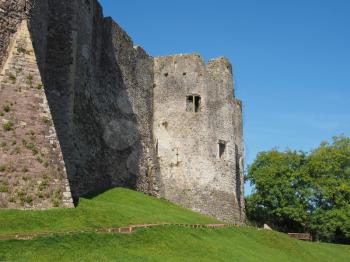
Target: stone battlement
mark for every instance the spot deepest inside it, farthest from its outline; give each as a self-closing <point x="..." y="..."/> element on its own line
<point x="193" y="66"/>
<point x="217" y="64"/>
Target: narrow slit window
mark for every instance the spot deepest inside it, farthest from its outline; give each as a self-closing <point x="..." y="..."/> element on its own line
<point x="157" y="148"/>
<point x="222" y="148"/>
<point x="238" y="165"/>
<point x="197" y="103"/>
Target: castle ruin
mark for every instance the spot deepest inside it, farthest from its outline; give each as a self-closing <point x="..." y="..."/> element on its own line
<point x="83" y="110"/>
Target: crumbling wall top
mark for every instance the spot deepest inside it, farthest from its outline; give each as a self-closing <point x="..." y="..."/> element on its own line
<point x="217" y="64"/>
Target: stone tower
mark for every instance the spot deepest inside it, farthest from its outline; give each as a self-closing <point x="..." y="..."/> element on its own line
<point x="83" y="110"/>
<point x="198" y="135"/>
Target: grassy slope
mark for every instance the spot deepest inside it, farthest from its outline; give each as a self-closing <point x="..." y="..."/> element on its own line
<point x="115" y="208"/>
<point x="121" y="207"/>
<point x="173" y="244"/>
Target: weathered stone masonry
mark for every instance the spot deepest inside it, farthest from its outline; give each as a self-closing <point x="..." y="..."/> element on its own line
<point x="194" y="125"/>
<point x="117" y="117"/>
<point x="34" y="174"/>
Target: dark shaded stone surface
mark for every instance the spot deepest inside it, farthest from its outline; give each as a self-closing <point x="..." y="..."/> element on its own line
<point x="104" y="95"/>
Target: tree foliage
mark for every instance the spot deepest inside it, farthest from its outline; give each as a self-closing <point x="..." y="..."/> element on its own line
<point x="299" y="192"/>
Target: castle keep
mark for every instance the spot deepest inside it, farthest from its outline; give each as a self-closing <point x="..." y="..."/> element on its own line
<point x="83" y="110"/>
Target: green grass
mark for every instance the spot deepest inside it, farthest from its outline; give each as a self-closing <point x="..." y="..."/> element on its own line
<point x="115" y="208"/>
<point x="173" y="244"/>
<point x="121" y="207"/>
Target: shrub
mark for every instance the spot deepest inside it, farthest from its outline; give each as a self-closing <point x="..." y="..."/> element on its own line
<point x="28" y="199"/>
<point x="8" y="126"/>
<point x="35" y="151"/>
<point x="58" y="194"/>
<point x="46" y="163"/>
<point x="25" y="198"/>
<point x="7" y="108"/>
<point x="39" y="159"/>
<point x="22" y="50"/>
<point x="43" y="185"/>
<point x="32" y="147"/>
<point x="3" y="168"/>
<point x="30" y="80"/>
<point x="56" y="203"/>
<point x="4" y="188"/>
<point x="46" y="177"/>
<point x="46" y="120"/>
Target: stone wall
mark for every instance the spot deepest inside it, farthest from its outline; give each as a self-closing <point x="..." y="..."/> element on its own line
<point x="106" y="89"/>
<point x="193" y="173"/>
<point x="11" y="14"/>
<point x="69" y="80"/>
<point x="122" y="118"/>
<point x="32" y="170"/>
<point x="127" y="80"/>
<point x="99" y="89"/>
<point x="239" y="155"/>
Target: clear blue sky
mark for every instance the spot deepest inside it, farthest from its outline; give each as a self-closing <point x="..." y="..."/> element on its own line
<point x="291" y="59"/>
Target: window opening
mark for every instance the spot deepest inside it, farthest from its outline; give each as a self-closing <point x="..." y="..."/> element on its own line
<point x="189" y="104"/>
<point x="193" y="103"/>
<point x="222" y="148"/>
<point x="157" y="145"/>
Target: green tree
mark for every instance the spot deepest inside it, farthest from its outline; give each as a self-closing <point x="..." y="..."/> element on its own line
<point x="297" y="192"/>
<point x="329" y="168"/>
<point x="281" y="190"/>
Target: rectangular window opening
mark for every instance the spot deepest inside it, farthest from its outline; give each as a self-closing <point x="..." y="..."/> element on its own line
<point x="222" y="148"/>
<point x="193" y="103"/>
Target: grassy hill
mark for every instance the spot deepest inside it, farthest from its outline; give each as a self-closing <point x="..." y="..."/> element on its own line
<point x="121" y="207"/>
<point x="114" y="208"/>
